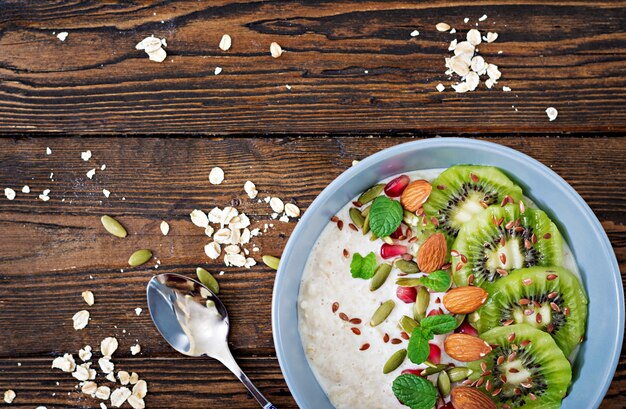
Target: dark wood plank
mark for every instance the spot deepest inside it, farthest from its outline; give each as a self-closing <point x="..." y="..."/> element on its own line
<point x="567" y="54"/>
<point x="48" y="251"/>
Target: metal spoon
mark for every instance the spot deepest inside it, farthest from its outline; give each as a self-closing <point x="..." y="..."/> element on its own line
<point x="194" y="322"/>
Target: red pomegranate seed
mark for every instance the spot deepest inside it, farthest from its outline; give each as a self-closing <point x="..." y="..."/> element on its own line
<point x="438" y="311"/>
<point x="435" y="354"/>
<point x="407" y="294"/>
<point x="416" y="372"/>
<point x="397" y="234"/>
<point x="466" y="328"/>
<point x="392" y="250"/>
<point x="396" y="186"/>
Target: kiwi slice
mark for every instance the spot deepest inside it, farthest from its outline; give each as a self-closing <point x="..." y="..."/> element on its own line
<point x="525" y="369"/>
<point x="548" y="298"/>
<point x="462" y="191"/>
<point x="502" y="239"/>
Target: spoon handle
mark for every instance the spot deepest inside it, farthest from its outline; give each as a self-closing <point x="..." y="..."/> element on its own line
<point x="228" y="361"/>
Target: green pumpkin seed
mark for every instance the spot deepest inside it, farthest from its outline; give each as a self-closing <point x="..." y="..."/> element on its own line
<point x="443" y="383"/>
<point x="433" y="369"/>
<point x="382" y="312"/>
<point x="395" y="361"/>
<point x="113" y="226"/>
<point x="208" y="280"/>
<point x="370" y="194"/>
<point x="380" y="276"/>
<point x="366" y="211"/>
<point x="408" y="324"/>
<point x="366" y="224"/>
<point x="139" y="257"/>
<point x="271" y="261"/>
<point x="356" y="217"/>
<point x="421" y="304"/>
<point x="459" y="374"/>
<point x="408" y="267"/>
<point x="459" y="319"/>
<point x="408" y="282"/>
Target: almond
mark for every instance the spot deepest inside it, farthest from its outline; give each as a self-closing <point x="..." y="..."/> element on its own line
<point x="464" y="300"/>
<point x="464" y="397"/>
<point x="465" y="348"/>
<point x="415" y="194"/>
<point x="432" y="254"/>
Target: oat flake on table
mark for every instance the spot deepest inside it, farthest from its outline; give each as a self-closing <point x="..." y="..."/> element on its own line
<point x="276" y="50"/>
<point x="81" y="319"/>
<point x="216" y="176"/>
<point x="9" y="396"/>
<point x="88" y="297"/>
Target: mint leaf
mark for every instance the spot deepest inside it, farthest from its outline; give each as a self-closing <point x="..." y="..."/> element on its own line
<point x="438" y="281"/>
<point x="363" y="267"/>
<point x="439" y="324"/>
<point x="418" y="349"/>
<point x="385" y="216"/>
<point x="414" y="391"/>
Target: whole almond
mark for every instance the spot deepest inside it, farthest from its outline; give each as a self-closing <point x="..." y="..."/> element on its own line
<point x="415" y="194"/>
<point x="432" y="254"/>
<point x="464" y="300"/>
<point x="464" y="397"/>
<point x="465" y="348"/>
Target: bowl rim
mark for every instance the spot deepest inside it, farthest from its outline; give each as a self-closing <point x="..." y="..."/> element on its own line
<point x="449" y="142"/>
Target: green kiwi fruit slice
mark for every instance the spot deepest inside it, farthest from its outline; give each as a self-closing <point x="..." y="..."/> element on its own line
<point x="548" y="298"/>
<point x="462" y="191"/>
<point x="502" y="239"/>
<point x="525" y="369"/>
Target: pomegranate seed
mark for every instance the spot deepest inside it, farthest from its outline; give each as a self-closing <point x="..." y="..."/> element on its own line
<point x="396" y="186"/>
<point x="416" y="372"/>
<point x="466" y="328"/>
<point x="392" y="250"/>
<point x="397" y="234"/>
<point x="407" y="294"/>
<point x="448" y="405"/>
<point x="435" y="354"/>
<point x="438" y="311"/>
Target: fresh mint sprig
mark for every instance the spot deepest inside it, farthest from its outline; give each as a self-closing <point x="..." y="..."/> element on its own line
<point x="414" y="391"/>
<point x="363" y="267"/>
<point x="385" y="216"/>
<point x="419" y="348"/>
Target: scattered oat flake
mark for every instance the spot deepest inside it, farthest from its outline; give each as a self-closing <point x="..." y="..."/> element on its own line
<point x="165" y="227"/>
<point x="216" y="176"/>
<point x="62" y="35"/>
<point x="473" y="37"/>
<point x="442" y="27"/>
<point x="119" y="396"/>
<point x="103" y="392"/>
<point x="124" y="377"/>
<point x="153" y="47"/>
<point x="108" y="346"/>
<point x="9" y="396"/>
<point x="212" y="250"/>
<point x="276" y="50"/>
<point x="415" y="33"/>
<point x="136" y="402"/>
<point x="9" y="193"/>
<point x="466" y="20"/>
<point x="506" y="89"/>
<point x="81" y="319"/>
<point x="141" y="388"/>
<point x="199" y="218"/>
<point x="65" y="363"/>
<point x="552" y="113"/>
<point x="491" y="37"/>
<point x="48" y="151"/>
<point x="85" y="353"/>
<point x="440" y="87"/>
<point x="225" y="42"/>
<point x="85" y="155"/>
<point x="135" y="349"/>
<point x="91" y="173"/>
<point x="106" y="365"/>
<point x="250" y="189"/>
<point x="218" y="70"/>
<point x="88" y="297"/>
<point x="292" y="210"/>
<point x="483" y="17"/>
<point x="277" y="205"/>
<point x="106" y="193"/>
<point x="103" y="167"/>
<point x="26" y="189"/>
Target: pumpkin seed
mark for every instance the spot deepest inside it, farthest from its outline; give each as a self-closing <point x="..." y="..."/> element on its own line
<point x="208" y="280"/>
<point x="388" y="240"/>
<point x="271" y="261"/>
<point x="421" y="304"/>
<point x="356" y="217"/>
<point x="380" y="276"/>
<point x="459" y="319"/>
<point x="459" y="373"/>
<point x="382" y="312"/>
<point x="366" y="211"/>
<point x="113" y="226"/>
<point x="408" y="324"/>
<point x="366" y="223"/>
<point x="433" y="369"/>
<point x="395" y="361"/>
<point x="139" y="257"/>
<point x="408" y="282"/>
<point x="408" y="267"/>
<point x="443" y="383"/>
<point x="371" y="194"/>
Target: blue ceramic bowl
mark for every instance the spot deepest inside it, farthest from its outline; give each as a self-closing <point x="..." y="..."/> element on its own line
<point x="598" y="357"/>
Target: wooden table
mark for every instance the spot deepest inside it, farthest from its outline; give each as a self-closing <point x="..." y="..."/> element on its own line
<point x="352" y="68"/>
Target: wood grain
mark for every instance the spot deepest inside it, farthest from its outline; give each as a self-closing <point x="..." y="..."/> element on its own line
<point x="352" y="67"/>
<point x="52" y="251"/>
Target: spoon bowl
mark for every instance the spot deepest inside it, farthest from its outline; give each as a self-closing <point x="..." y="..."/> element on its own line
<point x="194" y="321"/>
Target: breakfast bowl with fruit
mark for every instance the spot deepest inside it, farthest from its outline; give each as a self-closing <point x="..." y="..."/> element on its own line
<point x="448" y="273"/>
